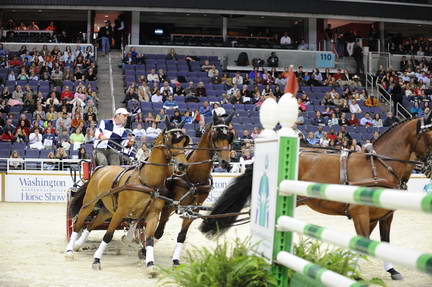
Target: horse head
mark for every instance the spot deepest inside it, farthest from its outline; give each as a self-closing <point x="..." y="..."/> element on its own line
<point x="176" y="140"/>
<point x="222" y="138"/>
<point x="423" y="145"/>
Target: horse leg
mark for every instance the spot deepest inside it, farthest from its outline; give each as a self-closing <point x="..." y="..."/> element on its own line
<point x="115" y="221"/>
<point x="151" y="224"/>
<point x="166" y="212"/>
<point x="362" y="224"/>
<point x="384" y="226"/>
<point x="181" y="237"/>
<point x="82" y="215"/>
<point x="102" y="215"/>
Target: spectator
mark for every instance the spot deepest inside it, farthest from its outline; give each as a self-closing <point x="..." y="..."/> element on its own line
<point x="353" y="121"/>
<point x="416" y="110"/>
<point x="311" y="139"/>
<point x="166" y="88"/>
<point x="171" y="55"/>
<point x="355" y="107"/>
<point x="153" y="131"/>
<point x="178" y="90"/>
<point x="218" y="110"/>
<point x="105" y="34"/>
<point x="90" y="136"/>
<point x="157" y="97"/>
<point x="8" y="134"/>
<point x="82" y="153"/>
<point x="273" y="60"/>
<point x="49" y="139"/>
<point x="153" y="77"/>
<point x="61" y="153"/>
<point x="143" y="153"/>
<point x="35" y="140"/>
<point x="237" y="80"/>
<point x="285" y="40"/>
<point x="201" y="129"/>
<point x="377" y="121"/>
<point x="139" y="131"/>
<point x="77" y="138"/>
<point x="177" y="117"/>
<point x="201" y="90"/>
<point x="205" y="109"/>
<point x="366" y="121"/>
<point x="206" y="67"/>
<point x="15" y="161"/>
<point x="170" y="103"/>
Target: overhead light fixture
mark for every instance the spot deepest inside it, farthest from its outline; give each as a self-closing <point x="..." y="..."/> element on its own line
<point x="187" y="14"/>
<point x="40" y="11"/>
<point x="262" y="17"/>
<point x="205" y="15"/>
<point x="106" y="16"/>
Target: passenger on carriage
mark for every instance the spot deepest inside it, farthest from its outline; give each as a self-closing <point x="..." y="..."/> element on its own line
<point x="109" y="136"/>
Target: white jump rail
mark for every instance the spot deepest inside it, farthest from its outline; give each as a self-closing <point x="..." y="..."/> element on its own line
<point x="403" y="256"/>
<point x="377" y="197"/>
<point x="322" y="275"/>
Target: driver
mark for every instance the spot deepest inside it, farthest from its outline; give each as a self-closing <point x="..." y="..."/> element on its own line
<point x="109" y="136"/>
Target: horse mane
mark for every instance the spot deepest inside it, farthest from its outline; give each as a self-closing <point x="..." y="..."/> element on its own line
<point x="391" y="129"/>
<point x="159" y="139"/>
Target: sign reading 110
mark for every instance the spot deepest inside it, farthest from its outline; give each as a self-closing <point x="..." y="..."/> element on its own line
<point x="325" y="60"/>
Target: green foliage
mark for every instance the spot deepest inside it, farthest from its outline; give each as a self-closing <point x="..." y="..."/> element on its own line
<point x="228" y="265"/>
<point x="339" y="260"/>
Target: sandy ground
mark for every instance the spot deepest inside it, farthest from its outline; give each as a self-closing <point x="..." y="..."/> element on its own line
<point x="32" y="241"/>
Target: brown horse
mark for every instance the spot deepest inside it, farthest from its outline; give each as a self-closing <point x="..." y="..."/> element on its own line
<point x="193" y="188"/>
<point x="411" y="138"/>
<point x="136" y="196"/>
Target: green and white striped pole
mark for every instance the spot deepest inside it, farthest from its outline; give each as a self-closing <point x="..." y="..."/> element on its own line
<point x="316" y="272"/>
<point x="378" y="197"/>
<point x="403" y="256"/>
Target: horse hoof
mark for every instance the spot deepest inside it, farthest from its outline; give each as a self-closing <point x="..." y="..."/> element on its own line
<point x="141" y="254"/>
<point x="152" y="271"/>
<point x="394" y="274"/>
<point x="397" y="276"/>
<point x="69" y="256"/>
<point x="176" y="262"/>
<point x="96" y="264"/>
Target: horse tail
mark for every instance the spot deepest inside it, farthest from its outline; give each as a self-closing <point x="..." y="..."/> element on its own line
<point x="233" y="199"/>
<point x="77" y="200"/>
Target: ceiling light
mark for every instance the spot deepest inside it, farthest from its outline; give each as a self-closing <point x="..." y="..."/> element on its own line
<point x="205" y="15"/>
<point x="262" y="17"/>
<point x="187" y="14"/>
<point x="106" y="16"/>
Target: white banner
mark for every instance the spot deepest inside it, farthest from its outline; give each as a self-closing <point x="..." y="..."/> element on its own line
<point x="33" y="187"/>
<point x="220" y="182"/>
<point x="264" y="193"/>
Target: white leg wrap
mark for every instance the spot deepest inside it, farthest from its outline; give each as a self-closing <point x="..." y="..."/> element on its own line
<point x="177" y="251"/>
<point x="149" y="254"/>
<point x="82" y="239"/>
<point x="72" y="239"/>
<point x="99" y="252"/>
<point x="387" y="266"/>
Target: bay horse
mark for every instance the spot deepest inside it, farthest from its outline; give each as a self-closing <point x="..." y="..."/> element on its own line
<point x="129" y="193"/>
<point x="409" y="139"/>
<point x="193" y="188"/>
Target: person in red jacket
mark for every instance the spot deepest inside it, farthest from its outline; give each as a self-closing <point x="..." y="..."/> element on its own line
<point x="67" y="94"/>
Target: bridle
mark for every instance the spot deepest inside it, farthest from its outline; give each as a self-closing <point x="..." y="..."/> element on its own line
<point x="422" y="128"/>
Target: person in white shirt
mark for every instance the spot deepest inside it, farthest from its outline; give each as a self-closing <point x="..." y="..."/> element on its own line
<point x="157" y="98"/>
<point x="285" y="39"/>
<point x="153" y="77"/>
<point x="218" y="110"/>
<point x="354" y="107"/>
<point x="153" y="131"/>
<point x="35" y="140"/>
<point x="143" y="153"/>
<point x="139" y="132"/>
<point x="238" y="79"/>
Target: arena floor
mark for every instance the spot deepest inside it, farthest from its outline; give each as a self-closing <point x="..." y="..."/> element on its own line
<point x="32" y="242"/>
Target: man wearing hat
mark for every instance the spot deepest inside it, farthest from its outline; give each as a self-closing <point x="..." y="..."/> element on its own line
<point x="109" y="136"/>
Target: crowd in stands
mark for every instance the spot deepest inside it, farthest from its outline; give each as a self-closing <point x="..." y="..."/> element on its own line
<point x="409" y="46"/>
<point x="48" y="103"/>
<point x="335" y="110"/>
<point x="410" y="85"/>
<point x="33" y="32"/>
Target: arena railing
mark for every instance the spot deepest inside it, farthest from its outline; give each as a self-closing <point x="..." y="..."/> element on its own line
<point x="34" y="164"/>
<point x="308" y="59"/>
